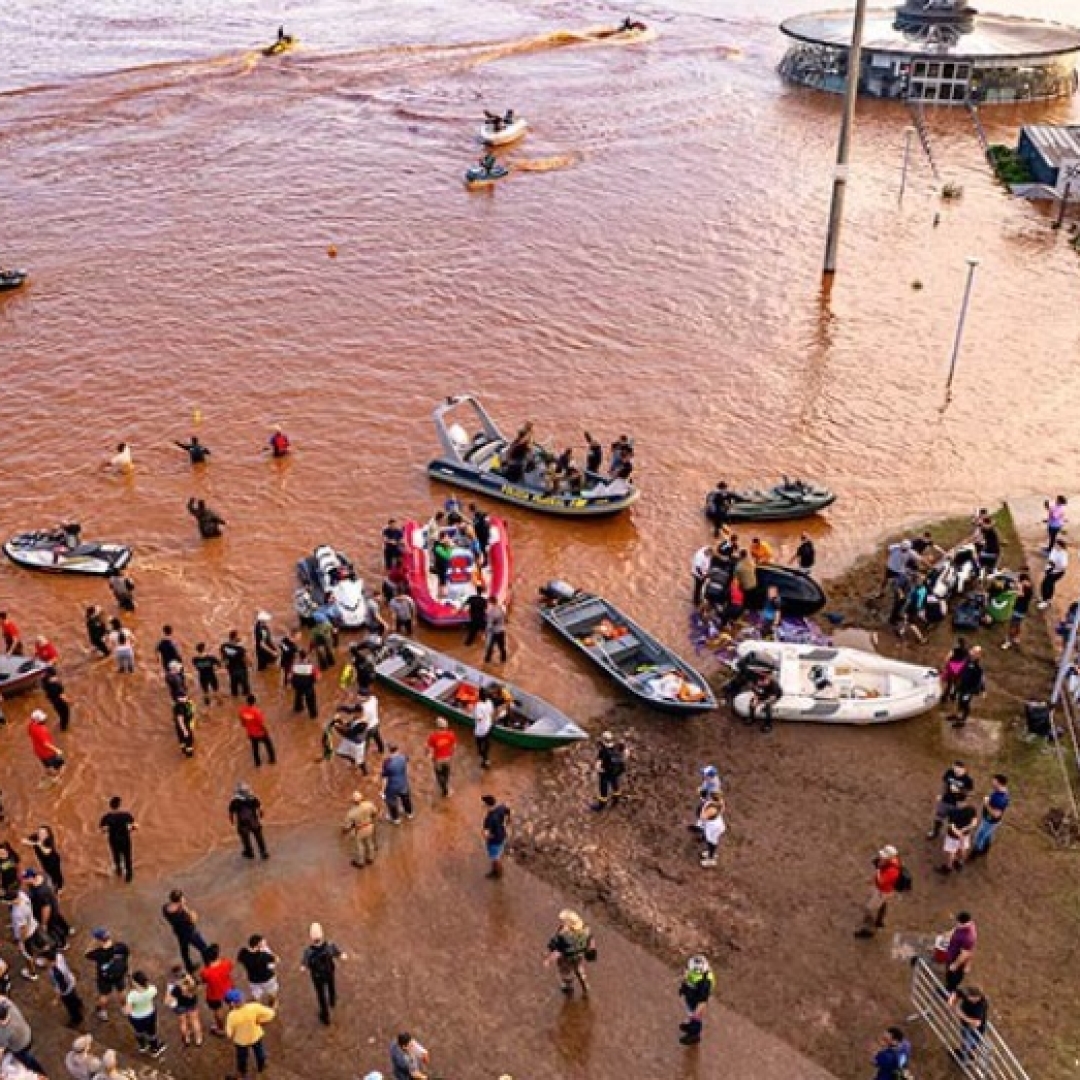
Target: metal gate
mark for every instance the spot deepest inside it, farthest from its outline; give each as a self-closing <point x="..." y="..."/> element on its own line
<point x="989" y="1057"/>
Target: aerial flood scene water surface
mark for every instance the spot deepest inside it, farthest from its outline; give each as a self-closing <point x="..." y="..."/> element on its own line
<point x="291" y="248"/>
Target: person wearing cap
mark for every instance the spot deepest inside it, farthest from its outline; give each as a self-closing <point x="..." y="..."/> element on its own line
<point x="45" y="750"/>
<point x="698" y="983"/>
<point x="16" y="1037"/>
<point x="320" y="962"/>
<point x="110" y="959"/>
<point x="80" y="1061"/>
<point x="441" y="744"/>
<point x="610" y="769"/>
<point x="710" y="788"/>
<point x="886" y="875"/>
<point x="118" y="824"/>
<point x="360" y="822"/>
<point x="266" y="651"/>
<point x="244" y="1027"/>
<point x="245" y="813"/>
<point x="253" y="721"/>
<point x="408" y="1058"/>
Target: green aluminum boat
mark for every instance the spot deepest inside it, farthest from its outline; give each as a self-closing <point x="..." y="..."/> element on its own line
<point x="450" y="687"/>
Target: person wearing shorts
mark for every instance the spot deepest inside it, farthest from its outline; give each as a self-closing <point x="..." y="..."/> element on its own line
<point x="496" y="815"/>
<point x="260" y="965"/>
<point x="182" y="996"/>
<point x="962" y="821"/>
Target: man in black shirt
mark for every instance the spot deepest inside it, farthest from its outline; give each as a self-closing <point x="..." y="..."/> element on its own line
<point x="805" y="554"/>
<point x="182" y="919"/>
<point x="969" y="685"/>
<point x="496" y="816"/>
<point x="119" y="825"/>
<point x="956" y="783"/>
<point x="46" y="907"/>
<point x="959" y="830"/>
<point x="319" y="961"/>
<point x="260" y="964"/>
<point x="245" y="812"/>
<point x="236" y="664"/>
<point x="481" y="524"/>
<point x="110" y="959"/>
<point x="610" y="769"/>
<point x="393" y="539"/>
<point x="973" y="1009"/>
<point x="167" y="649"/>
<point x="476" y="606"/>
<point x="718" y="506"/>
<point x="206" y="665"/>
<point x="989" y="544"/>
<point x="54" y="691"/>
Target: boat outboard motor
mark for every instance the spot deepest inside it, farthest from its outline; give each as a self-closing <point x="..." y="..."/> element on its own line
<point x="558" y="590"/>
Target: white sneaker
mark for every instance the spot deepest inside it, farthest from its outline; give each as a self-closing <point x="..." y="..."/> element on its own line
<point x="1006" y="644"/>
<point x="706" y="861"/>
<point x="1043" y="605"/>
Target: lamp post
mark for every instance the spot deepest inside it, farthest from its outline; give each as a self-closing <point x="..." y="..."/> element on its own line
<point x="908" y="132"/>
<point x="851" y="92"/>
<point x="972" y="262"/>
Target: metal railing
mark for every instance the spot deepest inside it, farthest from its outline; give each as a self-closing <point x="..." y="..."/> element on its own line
<point x="987" y="1057"/>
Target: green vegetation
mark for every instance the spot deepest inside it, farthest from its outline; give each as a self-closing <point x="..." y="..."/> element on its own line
<point x="1008" y="166"/>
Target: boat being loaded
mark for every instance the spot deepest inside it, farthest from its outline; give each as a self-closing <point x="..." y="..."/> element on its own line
<point x="786" y="501"/>
<point x="451" y="557"/>
<point x="62" y="551"/>
<point x="486" y="463"/>
<point x="623" y="650"/>
<point x="502" y="130"/>
<point x="839" y="686"/>
<point x="452" y="689"/>
<point x="328" y="580"/>
<point x="19" y="673"/>
<point x="800" y="595"/>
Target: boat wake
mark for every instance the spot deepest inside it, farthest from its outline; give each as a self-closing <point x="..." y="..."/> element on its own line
<point x="546" y="164"/>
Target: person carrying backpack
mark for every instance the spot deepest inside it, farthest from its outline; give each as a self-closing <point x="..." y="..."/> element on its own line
<point x="320" y="961"/>
<point x="890" y="877"/>
<point x="893" y="1056"/>
<point x="610" y="769"/>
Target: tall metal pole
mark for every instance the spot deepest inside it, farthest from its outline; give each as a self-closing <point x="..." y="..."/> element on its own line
<point x="1063" y="204"/>
<point x="908" y="132"/>
<point x="851" y="92"/>
<point x="972" y="262"/>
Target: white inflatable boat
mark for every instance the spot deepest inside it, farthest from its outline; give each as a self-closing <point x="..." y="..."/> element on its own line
<point x="504" y="134"/>
<point x="841" y="686"/>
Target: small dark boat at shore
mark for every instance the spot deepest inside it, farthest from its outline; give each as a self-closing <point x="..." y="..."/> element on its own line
<point x="12" y="279"/>
<point x="19" y="673"/>
<point x="624" y="651"/>
<point x="800" y="594"/>
<point x="786" y="501"/>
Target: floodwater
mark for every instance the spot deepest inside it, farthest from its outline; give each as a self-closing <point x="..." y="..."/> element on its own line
<point x="651" y="267"/>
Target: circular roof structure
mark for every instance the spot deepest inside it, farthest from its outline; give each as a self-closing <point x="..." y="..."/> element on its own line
<point x="964" y="36"/>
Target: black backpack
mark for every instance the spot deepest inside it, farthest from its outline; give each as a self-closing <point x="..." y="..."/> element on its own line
<point x="904" y="882"/>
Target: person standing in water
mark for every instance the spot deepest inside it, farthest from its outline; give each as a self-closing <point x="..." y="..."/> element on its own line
<point x="209" y="521"/>
<point x="196" y="452"/>
<point x="279" y="444"/>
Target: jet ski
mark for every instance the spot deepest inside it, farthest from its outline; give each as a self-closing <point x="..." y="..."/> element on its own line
<point x="62" y="551"/>
<point x="18" y="673"/>
<point x="12" y="279"/>
<point x="282" y="45"/>
<point x="485" y="173"/>
<point x="331" y="582"/>
<point x="782" y="502"/>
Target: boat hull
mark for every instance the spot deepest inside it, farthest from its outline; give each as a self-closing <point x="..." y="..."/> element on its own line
<point x="445" y="614"/>
<point x="800" y="595"/>
<point x="19" y="674"/>
<point x="564" y="504"/>
<point x="53" y="557"/>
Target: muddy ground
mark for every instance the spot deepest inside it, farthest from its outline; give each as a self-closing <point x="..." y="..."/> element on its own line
<point x="807" y="808"/>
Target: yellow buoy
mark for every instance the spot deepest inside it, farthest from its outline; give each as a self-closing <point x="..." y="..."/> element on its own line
<point x="196" y="416"/>
<point x="332" y="251"/>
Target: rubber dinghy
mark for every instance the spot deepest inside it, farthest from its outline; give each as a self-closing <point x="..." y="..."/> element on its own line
<point x="452" y="689"/>
<point x="61" y="551"/>
<point x="464" y="573"/>
<point x="479" y="464"/>
<point x="328" y="573"/>
<point x="800" y="595"/>
<point x="786" y="501"/>
<point x="505" y="134"/>
<point x="841" y="686"/>
<point x="624" y="651"/>
<point x="19" y="673"/>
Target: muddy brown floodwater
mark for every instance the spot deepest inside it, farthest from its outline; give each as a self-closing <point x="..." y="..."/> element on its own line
<point x="650" y="267"/>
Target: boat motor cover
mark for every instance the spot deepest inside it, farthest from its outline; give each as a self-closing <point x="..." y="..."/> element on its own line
<point x="558" y="590"/>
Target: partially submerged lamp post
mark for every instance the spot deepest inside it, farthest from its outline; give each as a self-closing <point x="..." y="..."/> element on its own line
<point x="972" y="262"/>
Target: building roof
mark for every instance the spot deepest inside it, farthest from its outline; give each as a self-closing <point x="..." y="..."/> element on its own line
<point x="1054" y="142"/>
<point x="998" y="37"/>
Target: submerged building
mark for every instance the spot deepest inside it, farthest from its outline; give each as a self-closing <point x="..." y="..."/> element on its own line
<point x="938" y="51"/>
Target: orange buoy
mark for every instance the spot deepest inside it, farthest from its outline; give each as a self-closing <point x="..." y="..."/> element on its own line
<point x="332" y="251"/>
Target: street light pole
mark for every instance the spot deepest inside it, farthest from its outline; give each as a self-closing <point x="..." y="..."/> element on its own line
<point x="972" y="262"/>
<point x="908" y="132"/>
<point x="851" y="92"/>
<point x="1063" y="204"/>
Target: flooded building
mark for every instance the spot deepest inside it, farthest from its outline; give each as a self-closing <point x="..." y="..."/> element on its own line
<point x="936" y="51"/>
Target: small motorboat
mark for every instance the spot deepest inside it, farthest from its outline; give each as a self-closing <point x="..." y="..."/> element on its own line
<point x="485" y="175"/>
<point x="479" y="464"/>
<point x="840" y="686"/>
<point x="19" y="673"/>
<point x="785" y="501"/>
<point x="628" y="30"/>
<point x="624" y="651"/>
<point x="62" y="551"/>
<point x="465" y="573"/>
<point x="502" y="134"/>
<point x="452" y="689"/>
<point x="329" y="580"/>
<point x="800" y="594"/>
<point x="282" y="45"/>
<point x="12" y="279"/>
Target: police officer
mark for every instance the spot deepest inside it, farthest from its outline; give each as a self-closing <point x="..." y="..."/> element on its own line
<point x="695" y="989"/>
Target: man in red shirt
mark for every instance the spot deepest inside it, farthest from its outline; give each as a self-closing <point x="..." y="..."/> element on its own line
<point x="45" y="750"/>
<point x="886" y="875"/>
<point x="216" y="976"/>
<point x="254" y="722"/>
<point x="10" y="639"/>
<point x="441" y="744"/>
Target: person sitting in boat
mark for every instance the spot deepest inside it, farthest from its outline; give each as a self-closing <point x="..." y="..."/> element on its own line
<point x="494" y="120"/>
<point x="594" y="454"/>
<point x="70" y="532"/>
<point x="508" y="119"/>
<point x="282" y="37"/>
<point x="517" y="453"/>
<point x="765" y="693"/>
<point x="629" y="24"/>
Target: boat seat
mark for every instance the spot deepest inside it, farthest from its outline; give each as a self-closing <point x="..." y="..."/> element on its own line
<point x="393" y="665"/>
<point x="617" y="649"/>
<point x="442" y="687"/>
<point x="822" y="708"/>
